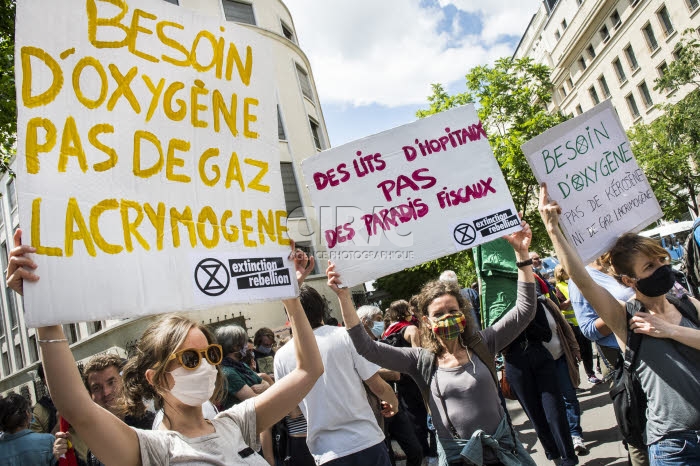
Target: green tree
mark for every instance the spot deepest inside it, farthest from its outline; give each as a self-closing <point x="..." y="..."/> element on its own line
<point x="668" y="149"/>
<point x="8" y="104"/>
<point x="408" y="282"/>
<point x="512" y="97"/>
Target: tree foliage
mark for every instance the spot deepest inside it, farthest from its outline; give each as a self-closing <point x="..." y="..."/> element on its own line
<point x="668" y="149"/>
<point x="8" y="99"/>
<point x="512" y="98"/>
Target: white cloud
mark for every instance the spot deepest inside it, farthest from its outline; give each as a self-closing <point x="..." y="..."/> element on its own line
<point x="500" y="17"/>
<point x="388" y="52"/>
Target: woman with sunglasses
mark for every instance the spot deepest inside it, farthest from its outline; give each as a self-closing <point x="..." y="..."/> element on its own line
<point x="669" y="361"/>
<point x="453" y="367"/>
<point x="176" y="365"/>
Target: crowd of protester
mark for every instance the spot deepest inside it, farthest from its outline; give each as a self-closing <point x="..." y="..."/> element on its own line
<point x="420" y="374"/>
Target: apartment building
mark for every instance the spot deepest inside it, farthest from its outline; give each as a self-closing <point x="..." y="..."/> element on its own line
<point x="302" y="133"/>
<point x="609" y="49"/>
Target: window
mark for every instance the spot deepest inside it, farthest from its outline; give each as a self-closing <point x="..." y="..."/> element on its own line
<point x="550" y="4"/>
<point x="5" y="363"/>
<point x="634" y="2"/>
<point x="650" y="37"/>
<point x="292" y="200"/>
<point x="604" y="85"/>
<point x="665" y="20"/>
<point x="646" y="95"/>
<point x="19" y="357"/>
<point x="33" y="352"/>
<point x="570" y="83"/>
<point x="604" y="33"/>
<point x="662" y="69"/>
<point x="591" y="51"/>
<point x="287" y="32"/>
<point x="281" y="135"/>
<point x="239" y="12"/>
<point x="677" y="53"/>
<point x="562" y="90"/>
<point x="11" y="195"/>
<point x="564" y="25"/>
<point x="557" y="34"/>
<point x="632" y="104"/>
<point x="580" y="2"/>
<point x="174" y="2"/>
<point x="619" y="70"/>
<point x="579" y="110"/>
<point x="582" y="63"/>
<point x="631" y="58"/>
<point x="316" y="132"/>
<point x="615" y="19"/>
<point x="693" y="4"/>
<point x="94" y="327"/>
<point x="594" y="95"/>
<point x="71" y="333"/>
<point x="305" y="83"/>
<point x="11" y="310"/>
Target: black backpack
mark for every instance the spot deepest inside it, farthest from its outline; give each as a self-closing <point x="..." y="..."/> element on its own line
<point x="629" y="400"/>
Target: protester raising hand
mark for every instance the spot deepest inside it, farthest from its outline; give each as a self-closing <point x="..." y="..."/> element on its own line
<point x="455" y="353"/>
<point x="176" y="365"/>
<point x="669" y="371"/>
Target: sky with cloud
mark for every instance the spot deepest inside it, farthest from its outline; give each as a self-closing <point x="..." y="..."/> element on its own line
<point x="374" y="60"/>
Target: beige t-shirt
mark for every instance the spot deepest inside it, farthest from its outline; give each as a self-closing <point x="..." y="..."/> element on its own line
<point x="232" y="442"/>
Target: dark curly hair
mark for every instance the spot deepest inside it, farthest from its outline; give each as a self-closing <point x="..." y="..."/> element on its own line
<point x="13" y="412"/>
<point x="429" y="293"/>
<point x="397" y="312"/>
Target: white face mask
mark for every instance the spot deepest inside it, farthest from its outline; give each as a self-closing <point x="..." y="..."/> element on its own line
<point x="195" y="387"/>
<point x="378" y="329"/>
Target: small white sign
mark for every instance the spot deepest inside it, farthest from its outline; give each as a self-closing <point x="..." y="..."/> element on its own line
<point x="591" y="172"/>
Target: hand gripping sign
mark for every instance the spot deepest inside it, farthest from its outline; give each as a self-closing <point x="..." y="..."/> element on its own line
<point x="408" y="195"/>
<point x="147" y="164"/>
<point x="591" y="172"/>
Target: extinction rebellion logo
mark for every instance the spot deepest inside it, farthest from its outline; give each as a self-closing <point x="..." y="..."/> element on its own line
<point x="213" y="277"/>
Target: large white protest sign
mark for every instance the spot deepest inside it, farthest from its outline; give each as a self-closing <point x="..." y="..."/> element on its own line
<point x="147" y="164"/>
<point x="591" y="172"/>
<point x="408" y="195"/>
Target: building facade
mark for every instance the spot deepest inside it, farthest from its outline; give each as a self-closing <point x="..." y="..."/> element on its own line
<point x="302" y="133"/>
<point x="609" y="49"/>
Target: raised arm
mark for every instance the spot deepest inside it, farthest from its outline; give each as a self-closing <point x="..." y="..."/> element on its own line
<point x="502" y="333"/>
<point x="106" y="435"/>
<point x="402" y="360"/>
<point x="520" y="242"/>
<point x="605" y="304"/>
<point x="286" y="394"/>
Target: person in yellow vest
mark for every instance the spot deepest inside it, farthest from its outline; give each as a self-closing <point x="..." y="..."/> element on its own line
<point x="562" y="289"/>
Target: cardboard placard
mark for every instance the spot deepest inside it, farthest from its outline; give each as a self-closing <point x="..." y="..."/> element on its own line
<point x="148" y="171"/>
<point x="409" y="195"/>
<point x="591" y="172"/>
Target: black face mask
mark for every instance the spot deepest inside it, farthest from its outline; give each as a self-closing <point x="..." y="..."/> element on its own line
<point x="658" y="283"/>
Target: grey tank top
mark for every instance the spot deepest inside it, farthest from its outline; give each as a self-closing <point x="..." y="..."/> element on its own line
<point x="670" y="376"/>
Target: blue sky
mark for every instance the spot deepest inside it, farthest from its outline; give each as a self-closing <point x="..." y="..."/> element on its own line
<point x="374" y="60"/>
